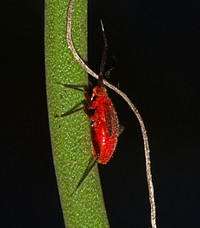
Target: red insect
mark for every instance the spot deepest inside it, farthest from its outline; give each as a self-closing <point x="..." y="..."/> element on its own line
<point x="104" y="122"/>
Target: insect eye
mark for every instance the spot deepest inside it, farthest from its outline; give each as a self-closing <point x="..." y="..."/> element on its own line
<point x="93" y="98"/>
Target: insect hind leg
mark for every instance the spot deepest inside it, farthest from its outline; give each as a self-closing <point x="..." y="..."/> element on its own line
<point x="90" y="166"/>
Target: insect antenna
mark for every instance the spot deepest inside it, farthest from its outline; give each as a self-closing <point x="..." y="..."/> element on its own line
<point x="87" y="171"/>
<point x="104" y="56"/>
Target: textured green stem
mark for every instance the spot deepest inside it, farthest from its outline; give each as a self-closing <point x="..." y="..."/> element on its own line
<point x="70" y="135"/>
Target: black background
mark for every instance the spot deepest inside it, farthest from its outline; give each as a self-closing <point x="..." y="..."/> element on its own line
<point x="157" y="47"/>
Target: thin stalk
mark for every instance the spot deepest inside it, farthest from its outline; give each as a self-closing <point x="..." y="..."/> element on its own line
<point x="131" y="105"/>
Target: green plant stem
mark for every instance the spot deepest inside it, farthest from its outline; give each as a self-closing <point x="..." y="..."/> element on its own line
<point x="70" y="135"/>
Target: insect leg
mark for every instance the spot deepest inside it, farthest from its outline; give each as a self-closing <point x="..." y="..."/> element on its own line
<point x="74" y="109"/>
<point x="87" y="171"/>
<point x="69" y="112"/>
<point x="75" y="87"/>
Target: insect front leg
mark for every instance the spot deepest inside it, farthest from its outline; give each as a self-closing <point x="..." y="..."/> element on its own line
<point x="75" y="87"/>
